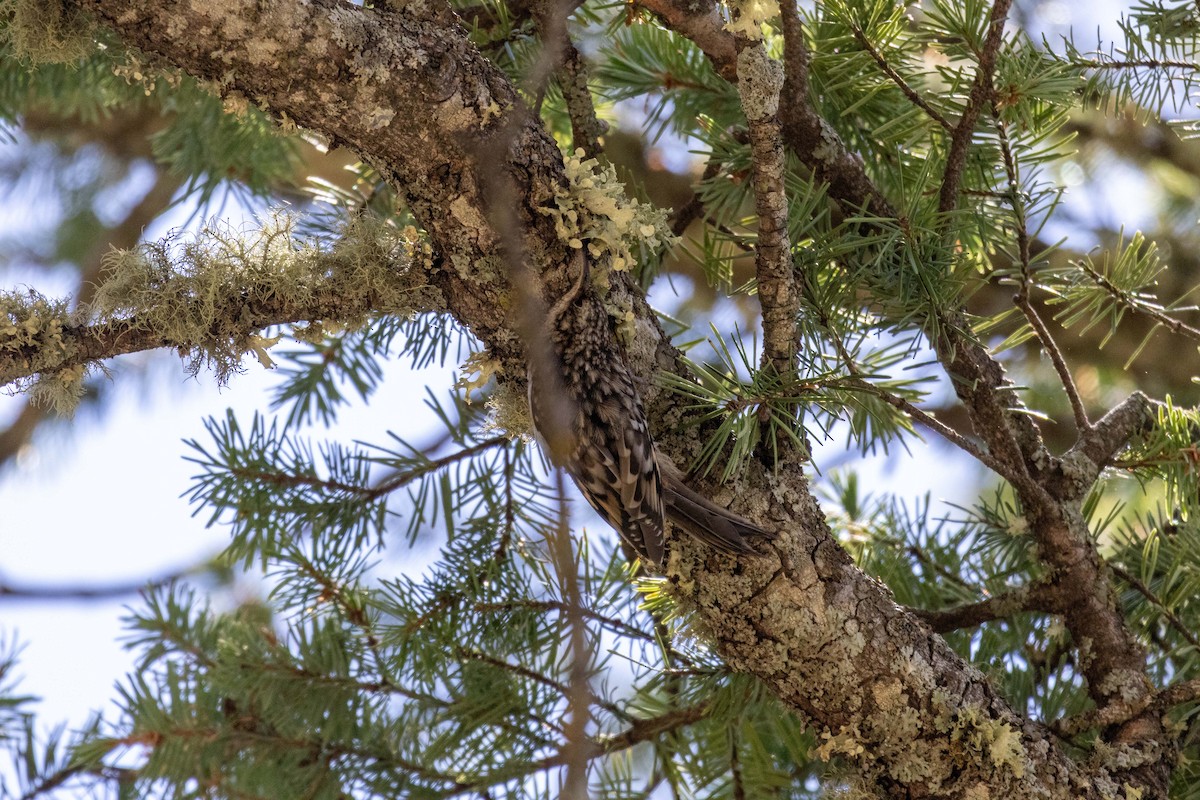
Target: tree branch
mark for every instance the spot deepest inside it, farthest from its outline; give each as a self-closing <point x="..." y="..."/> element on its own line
<point x="760" y="80"/>
<point x="981" y="93"/>
<point x="1034" y="597"/>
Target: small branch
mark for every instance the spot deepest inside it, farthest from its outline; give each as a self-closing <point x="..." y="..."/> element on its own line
<point x="937" y="426"/>
<point x="1026" y="598"/>
<point x="682" y="217"/>
<point x="1121" y="296"/>
<point x="898" y="79"/>
<point x="1146" y="592"/>
<point x="704" y="26"/>
<point x="1177" y="694"/>
<point x="795" y="53"/>
<point x="1110" y="433"/>
<point x="560" y="54"/>
<point x="760" y="80"/>
<point x="1082" y="423"/>
<point x="586" y="127"/>
<point x="981" y="92"/>
<point x="1111" y="714"/>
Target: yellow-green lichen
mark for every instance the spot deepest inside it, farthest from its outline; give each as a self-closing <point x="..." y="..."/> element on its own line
<point x="31" y="322"/>
<point x="593" y="212"/>
<point x="748" y="16"/>
<point x="476" y="373"/>
<point x="59" y="391"/>
<point x="34" y="342"/>
<point x="844" y="742"/>
<point x="508" y="412"/>
<point x="991" y="741"/>
<point x="1127" y="684"/>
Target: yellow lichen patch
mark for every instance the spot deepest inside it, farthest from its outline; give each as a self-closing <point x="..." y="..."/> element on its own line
<point x="594" y="212"/>
<point x="993" y="740"/>
<point x="845" y="742"/>
<point x="476" y="373"/>
<point x="750" y="15"/>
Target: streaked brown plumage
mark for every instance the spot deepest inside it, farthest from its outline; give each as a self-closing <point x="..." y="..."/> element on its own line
<point x="608" y="449"/>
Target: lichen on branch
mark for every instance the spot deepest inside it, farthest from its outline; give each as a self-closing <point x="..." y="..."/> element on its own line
<point x="211" y="294"/>
<point x="593" y="211"/>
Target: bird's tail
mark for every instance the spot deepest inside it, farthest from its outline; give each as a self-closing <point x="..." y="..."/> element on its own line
<point x="706" y="520"/>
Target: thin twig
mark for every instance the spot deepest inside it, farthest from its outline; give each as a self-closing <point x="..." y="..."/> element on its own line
<point x="401" y="480"/>
<point x="1022" y="297"/>
<point x="642" y="730"/>
<point x="937" y="426"/>
<point x="612" y="623"/>
<point x="1150" y="63"/>
<point x="55" y="594"/>
<point x="1146" y="592"/>
<point x="1122" y="297"/>
<point x="898" y="79"/>
<point x="981" y="92"/>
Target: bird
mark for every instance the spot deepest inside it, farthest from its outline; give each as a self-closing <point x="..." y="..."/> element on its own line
<point x="589" y="420"/>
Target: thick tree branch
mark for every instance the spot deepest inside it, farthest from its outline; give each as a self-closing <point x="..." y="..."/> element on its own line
<point x="246" y="306"/>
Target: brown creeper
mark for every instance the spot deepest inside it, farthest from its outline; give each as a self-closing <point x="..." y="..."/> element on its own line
<point x="603" y="440"/>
